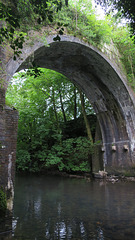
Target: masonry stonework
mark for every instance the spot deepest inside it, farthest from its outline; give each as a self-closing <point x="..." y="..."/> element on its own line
<point x="103" y="82"/>
<point x="8" y="142"/>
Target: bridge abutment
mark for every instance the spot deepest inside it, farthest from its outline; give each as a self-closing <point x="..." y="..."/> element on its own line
<point x="8" y="142"/>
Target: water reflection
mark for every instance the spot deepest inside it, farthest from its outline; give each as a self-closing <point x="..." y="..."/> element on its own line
<point x="58" y="208"/>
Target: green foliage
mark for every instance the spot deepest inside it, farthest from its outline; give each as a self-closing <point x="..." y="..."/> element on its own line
<point x="8" y="30"/>
<point x="85" y="24"/>
<point x="23" y="160"/>
<point x="71" y="155"/>
<point x="45" y="103"/>
<point x="126" y="47"/>
<point x="3" y="202"/>
<point x="126" y="8"/>
<point x="19" y="16"/>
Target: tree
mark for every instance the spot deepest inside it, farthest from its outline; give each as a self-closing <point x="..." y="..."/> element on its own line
<point x="15" y="14"/>
<point x="126" y="7"/>
<point x="85" y="117"/>
<point x="62" y="106"/>
<point x="45" y="103"/>
<point x="9" y="24"/>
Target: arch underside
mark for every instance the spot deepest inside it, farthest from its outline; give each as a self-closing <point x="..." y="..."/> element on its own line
<point x="105" y="89"/>
<point x="112" y="100"/>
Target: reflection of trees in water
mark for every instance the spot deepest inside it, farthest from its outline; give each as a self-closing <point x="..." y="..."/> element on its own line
<point x="72" y="230"/>
<point x="57" y="208"/>
<point x="54" y="224"/>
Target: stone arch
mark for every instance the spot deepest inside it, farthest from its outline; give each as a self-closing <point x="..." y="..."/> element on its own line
<point x="104" y="85"/>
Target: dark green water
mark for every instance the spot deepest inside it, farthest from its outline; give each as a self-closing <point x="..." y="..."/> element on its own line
<point x="62" y="208"/>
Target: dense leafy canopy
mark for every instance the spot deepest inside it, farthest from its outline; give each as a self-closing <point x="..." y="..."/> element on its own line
<point x="125" y="7"/>
<point x="8" y="30"/>
<point x="16" y="16"/>
<point x="47" y="104"/>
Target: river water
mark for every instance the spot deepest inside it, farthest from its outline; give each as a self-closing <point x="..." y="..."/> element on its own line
<point x="50" y="207"/>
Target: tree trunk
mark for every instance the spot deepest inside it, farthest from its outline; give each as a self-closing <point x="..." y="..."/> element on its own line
<point x="76" y="16"/>
<point x="85" y="117"/>
<point x="66" y="3"/>
<point x="75" y="105"/>
<point x="54" y="108"/>
<point x="87" y="127"/>
<point x="62" y="107"/>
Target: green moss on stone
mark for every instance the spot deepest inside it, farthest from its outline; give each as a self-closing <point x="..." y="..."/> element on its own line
<point x="3" y="202"/>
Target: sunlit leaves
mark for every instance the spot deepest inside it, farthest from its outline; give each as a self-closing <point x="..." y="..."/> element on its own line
<point x="126" y="7"/>
<point x="40" y="142"/>
<point x="126" y="46"/>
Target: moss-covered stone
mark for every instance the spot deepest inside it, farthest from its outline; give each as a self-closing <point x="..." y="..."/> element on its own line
<point x="3" y="203"/>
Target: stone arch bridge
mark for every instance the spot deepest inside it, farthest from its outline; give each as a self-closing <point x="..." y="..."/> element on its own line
<point x="100" y="77"/>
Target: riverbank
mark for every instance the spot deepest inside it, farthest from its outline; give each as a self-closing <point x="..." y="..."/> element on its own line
<point x="100" y="176"/>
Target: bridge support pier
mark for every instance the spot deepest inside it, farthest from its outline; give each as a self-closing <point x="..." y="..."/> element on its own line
<point x="114" y="158"/>
<point x="8" y="141"/>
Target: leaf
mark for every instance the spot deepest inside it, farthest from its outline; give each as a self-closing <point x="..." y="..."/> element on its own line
<point x="13" y="47"/>
<point x="39" y="20"/>
<point x="57" y="38"/>
<point x="59" y="24"/>
<point x="50" y="17"/>
<point x="61" y="32"/>
<point x="14" y="58"/>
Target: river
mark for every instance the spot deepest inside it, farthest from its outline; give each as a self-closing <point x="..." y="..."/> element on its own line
<point x="51" y="207"/>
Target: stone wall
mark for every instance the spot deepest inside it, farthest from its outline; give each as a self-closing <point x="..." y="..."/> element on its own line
<point x="8" y="141"/>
